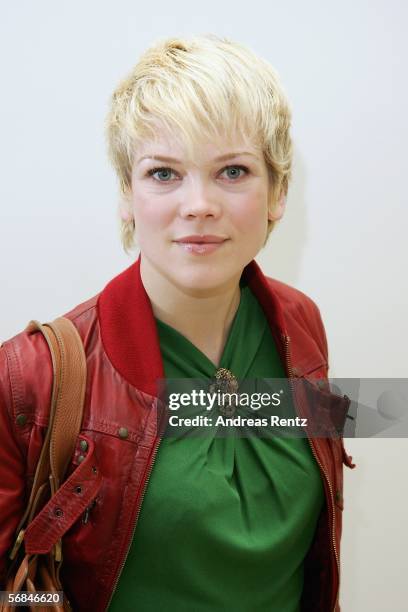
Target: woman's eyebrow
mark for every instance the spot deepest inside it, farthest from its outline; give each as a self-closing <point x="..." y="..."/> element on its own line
<point x="173" y="160"/>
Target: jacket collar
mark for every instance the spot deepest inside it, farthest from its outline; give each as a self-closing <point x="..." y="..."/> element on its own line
<point x="128" y="328"/>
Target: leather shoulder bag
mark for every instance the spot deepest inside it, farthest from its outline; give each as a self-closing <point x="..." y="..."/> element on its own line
<point x="40" y="572"/>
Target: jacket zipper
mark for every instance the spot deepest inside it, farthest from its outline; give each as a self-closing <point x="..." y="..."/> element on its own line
<point x="333" y="525"/>
<point x="157" y="443"/>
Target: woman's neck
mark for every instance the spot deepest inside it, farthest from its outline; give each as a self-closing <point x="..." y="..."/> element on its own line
<point x="204" y="318"/>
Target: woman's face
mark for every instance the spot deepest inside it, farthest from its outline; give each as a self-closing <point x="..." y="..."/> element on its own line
<point x="200" y="221"/>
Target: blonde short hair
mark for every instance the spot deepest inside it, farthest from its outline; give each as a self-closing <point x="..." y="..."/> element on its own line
<point x="202" y="88"/>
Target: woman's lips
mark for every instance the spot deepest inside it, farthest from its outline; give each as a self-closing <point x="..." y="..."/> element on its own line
<point x="201" y="248"/>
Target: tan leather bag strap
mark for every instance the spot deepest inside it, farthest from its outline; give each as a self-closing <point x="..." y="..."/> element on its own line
<point x="70" y="395"/>
<point x="66" y="410"/>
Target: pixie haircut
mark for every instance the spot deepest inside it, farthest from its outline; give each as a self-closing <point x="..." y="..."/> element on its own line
<point x="200" y="89"/>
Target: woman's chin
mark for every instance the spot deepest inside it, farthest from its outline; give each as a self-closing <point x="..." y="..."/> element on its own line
<point x="202" y="279"/>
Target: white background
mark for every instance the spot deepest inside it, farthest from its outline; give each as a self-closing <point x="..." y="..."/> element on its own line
<point x="342" y="241"/>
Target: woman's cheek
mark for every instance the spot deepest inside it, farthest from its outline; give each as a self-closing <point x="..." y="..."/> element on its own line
<point x="252" y="215"/>
<point x="153" y="214"/>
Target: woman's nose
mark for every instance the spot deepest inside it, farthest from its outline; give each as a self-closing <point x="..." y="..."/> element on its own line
<point x="200" y="202"/>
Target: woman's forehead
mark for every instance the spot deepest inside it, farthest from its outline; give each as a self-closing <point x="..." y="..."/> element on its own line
<point x="172" y="147"/>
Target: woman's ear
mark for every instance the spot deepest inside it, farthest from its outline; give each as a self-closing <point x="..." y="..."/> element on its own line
<point x="125" y="211"/>
<point x="278" y="210"/>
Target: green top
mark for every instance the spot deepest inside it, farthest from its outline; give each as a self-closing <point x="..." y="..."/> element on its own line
<point x="226" y="521"/>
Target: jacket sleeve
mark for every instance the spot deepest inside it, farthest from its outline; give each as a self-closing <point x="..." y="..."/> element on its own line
<point x="320" y="334"/>
<point x="303" y="312"/>
<point x="312" y="320"/>
<point x="322" y="340"/>
<point x="12" y="470"/>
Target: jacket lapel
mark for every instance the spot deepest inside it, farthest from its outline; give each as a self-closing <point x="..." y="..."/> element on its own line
<point x="129" y="333"/>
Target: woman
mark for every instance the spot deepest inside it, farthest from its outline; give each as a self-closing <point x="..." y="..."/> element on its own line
<point x="199" y="136"/>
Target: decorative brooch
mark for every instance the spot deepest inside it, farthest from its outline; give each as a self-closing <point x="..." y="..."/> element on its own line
<point x="225" y="383"/>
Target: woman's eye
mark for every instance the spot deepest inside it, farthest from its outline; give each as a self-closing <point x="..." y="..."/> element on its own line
<point x="163" y="174"/>
<point x="235" y="172"/>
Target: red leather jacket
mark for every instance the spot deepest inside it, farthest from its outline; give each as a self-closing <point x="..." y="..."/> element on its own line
<point x="119" y="435"/>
